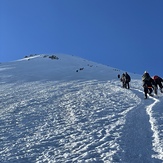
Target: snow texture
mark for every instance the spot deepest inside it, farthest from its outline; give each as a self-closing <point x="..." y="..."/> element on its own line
<point x="70" y="110"/>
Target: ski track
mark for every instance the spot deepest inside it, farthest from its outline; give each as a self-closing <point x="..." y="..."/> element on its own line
<point x="77" y="121"/>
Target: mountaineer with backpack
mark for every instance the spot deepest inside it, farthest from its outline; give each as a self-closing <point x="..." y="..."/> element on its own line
<point x="128" y="79"/>
<point x="158" y="83"/>
<point x="148" y="84"/>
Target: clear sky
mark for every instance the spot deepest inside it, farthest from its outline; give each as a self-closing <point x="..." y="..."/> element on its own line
<point x="125" y="34"/>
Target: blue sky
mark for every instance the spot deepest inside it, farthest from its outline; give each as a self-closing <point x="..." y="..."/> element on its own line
<point x="124" y="34"/>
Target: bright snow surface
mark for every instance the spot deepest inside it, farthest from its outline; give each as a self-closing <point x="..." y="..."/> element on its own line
<point x="53" y="112"/>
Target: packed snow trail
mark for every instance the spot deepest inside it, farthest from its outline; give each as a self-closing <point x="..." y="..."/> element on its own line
<point x="138" y="134"/>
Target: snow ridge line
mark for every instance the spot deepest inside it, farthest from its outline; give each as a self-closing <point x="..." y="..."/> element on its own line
<point x="156" y="139"/>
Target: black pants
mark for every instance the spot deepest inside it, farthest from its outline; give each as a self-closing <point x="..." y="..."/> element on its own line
<point x="147" y="90"/>
<point x="126" y="85"/>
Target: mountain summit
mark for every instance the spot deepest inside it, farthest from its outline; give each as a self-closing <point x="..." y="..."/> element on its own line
<point x="57" y="67"/>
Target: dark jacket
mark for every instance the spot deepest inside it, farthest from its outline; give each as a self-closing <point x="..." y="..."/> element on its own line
<point x="149" y="83"/>
<point x="158" y="81"/>
<point x="128" y="78"/>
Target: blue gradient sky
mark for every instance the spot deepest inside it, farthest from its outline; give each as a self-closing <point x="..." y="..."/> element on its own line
<point x="125" y="34"/>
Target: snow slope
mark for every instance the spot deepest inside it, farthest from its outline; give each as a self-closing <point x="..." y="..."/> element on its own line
<point x="70" y="110"/>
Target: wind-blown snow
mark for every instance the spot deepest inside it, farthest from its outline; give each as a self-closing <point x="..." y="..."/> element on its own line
<point x="74" y="110"/>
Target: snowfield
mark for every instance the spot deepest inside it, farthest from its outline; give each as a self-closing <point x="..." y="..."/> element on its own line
<point x="70" y="110"/>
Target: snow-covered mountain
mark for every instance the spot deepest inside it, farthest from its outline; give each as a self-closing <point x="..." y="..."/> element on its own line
<point x="65" y="109"/>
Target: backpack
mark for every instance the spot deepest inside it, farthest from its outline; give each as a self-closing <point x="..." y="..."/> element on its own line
<point x="155" y="77"/>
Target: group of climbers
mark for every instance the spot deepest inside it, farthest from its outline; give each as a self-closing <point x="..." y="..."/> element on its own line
<point x="150" y="84"/>
<point x="125" y="79"/>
